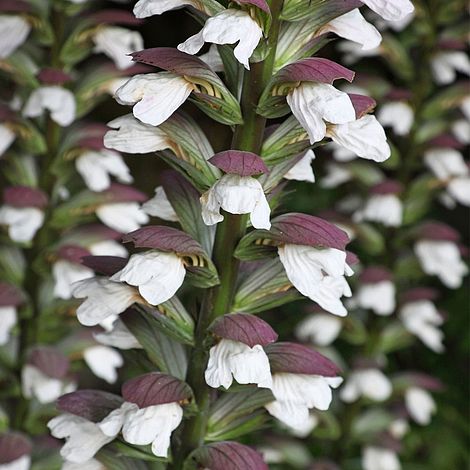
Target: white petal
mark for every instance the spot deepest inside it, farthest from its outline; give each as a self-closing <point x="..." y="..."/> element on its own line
<point x="7" y="137"/>
<point x="391" y="10"/>
<point x="153" y="424"/>
<point x="22" y="463"/>
<point x="247" y="365"/>
<point x="91" y="464"/>
<point x="212" y="59"/>
<point x="65" y="274"/>
<point x="459" y="189"/>
<point x="317" y="274"/>
<point x="156" y="96"/>
<point x="445" y="66"/>
<point x="118" y="336"/>
<point x="237" y="195"/>
<point x="398" y="115"/>
<point x="111" y="424"/>
<point x="460" y="128"/>
<point x="336" y="176"/>
<point x="297" y="393"/>
<point x="422" y="319"/>
<point x="378" y="458"/>
<point x="420" y="405"/>
<point x="365" y="137"/>
<point x="373" y="384"/>
<point x="146" y="8"/>
<point x="97" y="167"/>
<point x="108" y="248"/>
<point x="8" y="319"/>
<point x="103" y="361"/>
<point x="441" y="258"/>
<point x="319" y="328"/>
<point x="59" y="101"/>
<point x="228" y="27"/>
<point x="83" y="438"/>
<point x="157" y="274"/>
<point x="353" y="26"/>
<point x="379" y="297"/>
<point x="23" y="222"/>
<point x="117" y="43"/>
<point x="446" y="163"/>
<point x="124" y="217"/>
<point x="159" y="206"/>
<point x="302" y="170"/>
<point x="383" y="208"/>
<point x="36" y="384"/>
<point x="14" y="31"/>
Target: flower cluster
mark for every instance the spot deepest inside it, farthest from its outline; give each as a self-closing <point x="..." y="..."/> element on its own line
<point x="137" y="316"/>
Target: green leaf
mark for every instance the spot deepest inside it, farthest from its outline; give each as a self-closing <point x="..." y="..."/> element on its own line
<point x="117" y="461"/>
<point x="184" y="199"/>
<point x="394" y="337"/>
<point x="21" y="170"/>
<point x="353" y="330"/>
<point x="319" y="12"/>
<point x="121" y="448"/>
<point x="371" y="423"/>
<point x="418" y="199"/>
<point x="370" y="238"/>
<point x="266" y="287"/>
<point x="79" y="43"/>
<point x="167" y="354"/>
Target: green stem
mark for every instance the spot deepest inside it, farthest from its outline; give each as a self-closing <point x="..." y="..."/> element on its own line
<point x="217" y="301"/>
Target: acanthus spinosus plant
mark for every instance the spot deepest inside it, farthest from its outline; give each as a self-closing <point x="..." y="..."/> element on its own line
<point x="167" y="289"/>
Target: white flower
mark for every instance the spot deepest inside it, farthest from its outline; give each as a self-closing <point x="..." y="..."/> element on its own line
<point x="104" y="298"/>
<point x="21" y="463"/>
<point x="96" y="169"/>
<point x="353" y="26"/>
<point x="124" y="217"/>
<point x="35" y="383"/>
<point x="391" y="10"/>
<point x="368" y="383"/>
<point x="230" y="360"/>
<point x="398" y="115"/>
<point x="103" y="362"/>
<point x="336" y="175"/>
<point x="132" y="136"/>
<point x="420" y="405"/>
<point x="8" y="320"/>
<point x="442" y="259"/>
<point x="14" y="30"/>
<point x="156" y="96"/>
<point x="117" y="335"/>
<point x="159" y="206"/>
<point x="117" y="43"/>
<point x="353" y="52"/>
<point x="302" y="170"/>
<point x="318" y="274"/>
<point x="377" y="296"/>
<point x="83" y="438"/>
<point x="320" y="328"/>
<point x="448" y="166"/>
<point x="59" y="101"/>
<point x="65" y="274"/>
<point x="379" y="458"/>
<point x="422" y="319"/>
<point x="108" y="248"/>
<point x="143" y="426"/>
<point x="305" y="428"/>
<point x="157" y="274"/>
<point x="460" y="128"/>
<point x="212" y="59"/>
<point x="297" y="393"/>
<point x="146" y="8"/>
<point x="445" y="66"/>
<point x="364" y="136"/>
<point x="398" y="428"/>
<point x="314" y="103"/>
<point x="386" y="209"/>
<point x="23" y="222"/>
<point x="228" y="27"/>
<point x="7" y="137"/>
<point x="465" y="107"/>
<point x="237" y="195"/>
